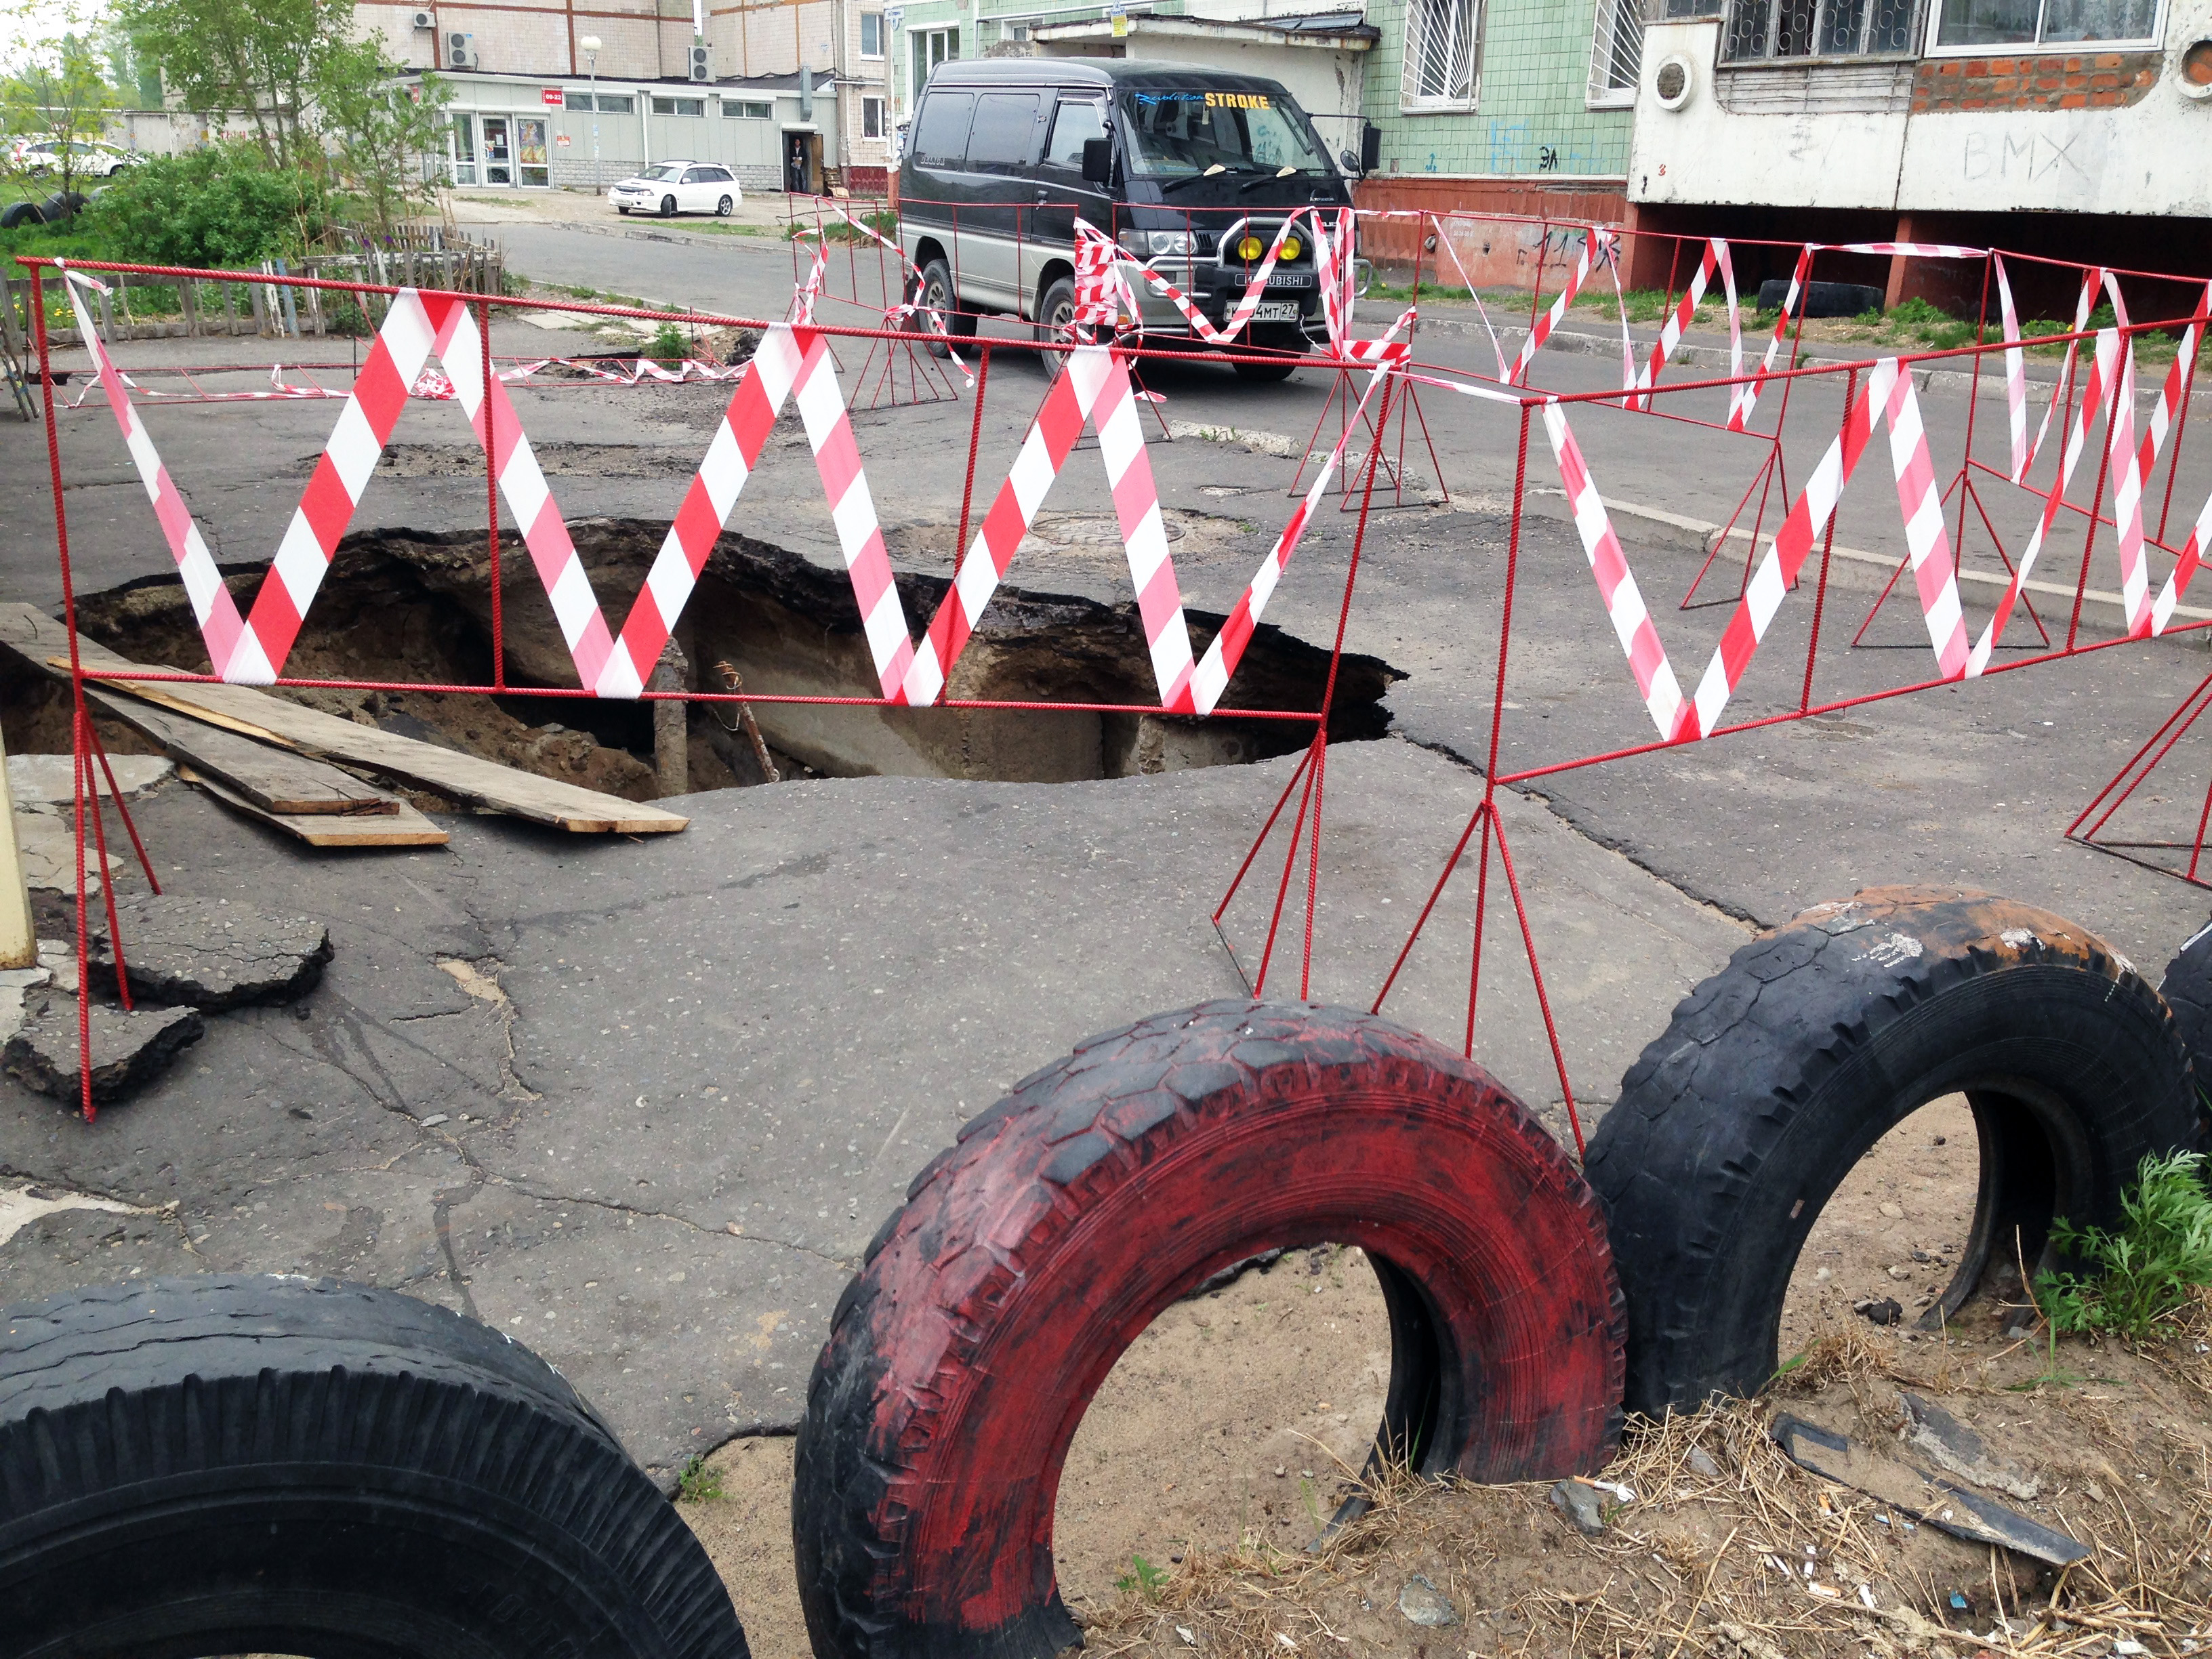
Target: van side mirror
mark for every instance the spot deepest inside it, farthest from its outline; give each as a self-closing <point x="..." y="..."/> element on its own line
<point x="1371" y="147"/>
<point x="1098" y="160"/>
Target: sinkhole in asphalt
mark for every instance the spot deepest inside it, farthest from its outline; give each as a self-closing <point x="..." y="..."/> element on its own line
<point x="400" y="605"/>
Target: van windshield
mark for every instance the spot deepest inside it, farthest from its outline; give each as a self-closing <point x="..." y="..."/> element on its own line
<point x="1182" y="134"/>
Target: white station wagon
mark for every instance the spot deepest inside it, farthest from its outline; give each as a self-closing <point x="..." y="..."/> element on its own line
<point x="669" y="188"/>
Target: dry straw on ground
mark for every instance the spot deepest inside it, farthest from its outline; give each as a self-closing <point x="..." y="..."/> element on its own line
<point x="1729" y="1551"/>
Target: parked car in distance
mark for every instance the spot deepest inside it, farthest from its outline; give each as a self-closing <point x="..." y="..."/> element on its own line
<point x="85" y="160"/>
<point x="669" y="188"/>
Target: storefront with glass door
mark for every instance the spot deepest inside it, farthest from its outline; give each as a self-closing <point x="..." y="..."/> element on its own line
<point x="503" y="149"/>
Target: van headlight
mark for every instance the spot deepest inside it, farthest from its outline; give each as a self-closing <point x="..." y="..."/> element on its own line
<point x="1150" y="243"/>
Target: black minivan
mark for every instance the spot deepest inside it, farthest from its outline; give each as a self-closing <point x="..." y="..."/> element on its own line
<point x="1190" y="169"/>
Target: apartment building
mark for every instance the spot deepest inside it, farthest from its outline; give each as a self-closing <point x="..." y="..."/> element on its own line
<point x="554" y="93"/>
<point x="2074" y="128"/>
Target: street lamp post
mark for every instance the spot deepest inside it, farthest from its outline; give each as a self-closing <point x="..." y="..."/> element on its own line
<point x="590" y="43"/>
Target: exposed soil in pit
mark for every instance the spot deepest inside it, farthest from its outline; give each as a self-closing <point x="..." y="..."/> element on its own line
<point x="399" y="606"/>
<point x="567" y="460"/>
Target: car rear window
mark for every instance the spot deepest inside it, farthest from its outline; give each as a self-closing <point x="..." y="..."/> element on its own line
<point x="940" y="131"/>
<point x="1004" y="135"/>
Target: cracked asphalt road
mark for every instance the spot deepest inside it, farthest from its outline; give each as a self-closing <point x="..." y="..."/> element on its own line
<point x="642" y="1103"/>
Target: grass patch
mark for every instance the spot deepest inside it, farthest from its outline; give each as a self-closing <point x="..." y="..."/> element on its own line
<point x="2146" y="1271"/>
<point x="698" y="1484"/>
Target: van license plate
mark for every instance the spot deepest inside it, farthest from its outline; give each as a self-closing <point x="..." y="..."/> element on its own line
<point x="1278" y="311"/>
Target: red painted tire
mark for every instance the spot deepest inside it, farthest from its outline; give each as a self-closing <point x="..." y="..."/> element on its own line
<point x="1028" y="1256"/>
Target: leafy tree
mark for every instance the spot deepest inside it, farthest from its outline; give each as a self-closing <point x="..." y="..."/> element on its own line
<point x="56" y="88"/>
<point x="377" y="129"/>
<point x="220" y="205"/>
<point x="258" y="57"/>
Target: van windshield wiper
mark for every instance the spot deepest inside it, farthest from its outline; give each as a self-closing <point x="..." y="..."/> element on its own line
<point x="1267" y="179"/>
<point x="1213" y="172"/>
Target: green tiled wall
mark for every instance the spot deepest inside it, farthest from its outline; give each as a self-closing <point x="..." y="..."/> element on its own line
<point x="1529" y="114"/>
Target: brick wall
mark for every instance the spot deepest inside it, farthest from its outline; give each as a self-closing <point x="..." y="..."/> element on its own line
<point x="2104" y="79"/>
<point x="1489" y="251"/>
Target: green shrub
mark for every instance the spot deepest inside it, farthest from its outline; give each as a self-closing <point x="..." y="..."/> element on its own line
<point x="219" y="206"/>
<point x="2145" y="1271"/>
<point x="668" y="343"/>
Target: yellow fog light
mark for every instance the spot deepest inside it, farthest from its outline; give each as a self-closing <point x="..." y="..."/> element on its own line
<point x="1250" y="248"/>
<point x="1290" y="245"/>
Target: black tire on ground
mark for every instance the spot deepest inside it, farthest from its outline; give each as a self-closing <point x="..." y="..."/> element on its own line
<point x="722" y="208"/>
<point x="1822" y="299"/>
<point x="63" y="204"/>
<point x="16" y="214"/>
<point x="2187" y="989"/>
<point x="1780" y="1073"/>
<point x="1028" y="1256"/>
<point x="668" y="207"/>
<point x="623" y="211"/>
<point x="937" y="294"/>
<point x="1266" y="373"/>
<point x="1055" y="321"/>
<point x="232" y="1464"/>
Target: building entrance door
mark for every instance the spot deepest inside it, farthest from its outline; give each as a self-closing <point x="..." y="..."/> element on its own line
<point x="498" y="158"/>
<point x="802" y="163"/>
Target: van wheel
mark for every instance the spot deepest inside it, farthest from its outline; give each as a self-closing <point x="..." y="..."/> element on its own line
<point x="1056" y="323"/>
<point x="938" y="299"/>
<point x="722" y="208"/>
<point x="668" y="207"/>
<point x="1266" y="373"/>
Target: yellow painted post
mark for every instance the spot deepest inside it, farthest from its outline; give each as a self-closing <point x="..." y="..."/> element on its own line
<point x="18" y="948"/>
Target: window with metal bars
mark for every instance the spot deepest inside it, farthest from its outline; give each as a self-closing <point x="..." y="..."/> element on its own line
<point x="1616" y="54"/>
<point x="1441" y="39"/>
<point x="1767" y="31"/>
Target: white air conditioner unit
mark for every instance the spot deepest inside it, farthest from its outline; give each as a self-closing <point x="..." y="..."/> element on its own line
<point x="423" y="19"/>
<point x="460" y="51"/>
<point x="702" y="62"/>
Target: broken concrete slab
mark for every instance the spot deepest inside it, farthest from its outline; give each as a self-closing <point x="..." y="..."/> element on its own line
<point x="16" y="983"/>
<point x="1939" y="1501"/>
<point x="20" y="1205"/>
<point x="35" y="781"/>
<point x="128" y="1050"/>
<point x="210" y="953"/>
<point x="47" y="843"/>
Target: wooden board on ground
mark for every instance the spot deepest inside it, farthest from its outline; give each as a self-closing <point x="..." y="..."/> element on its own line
<point x="405" y="827"/>
<point x="447" y="772"/>
<point x="279" y="781"/>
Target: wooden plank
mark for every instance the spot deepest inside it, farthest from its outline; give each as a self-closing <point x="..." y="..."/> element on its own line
<point x="279" y="781"/>
<point x="447" y="772"/>
<point x="405" y="827"/>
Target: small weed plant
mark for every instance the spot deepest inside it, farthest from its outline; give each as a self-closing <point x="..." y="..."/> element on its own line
<point x="698" y="1484"/>
<point x="668" y="344"/>
<point x="1142" y="1577"/>
<point x="2146" y="1269"/>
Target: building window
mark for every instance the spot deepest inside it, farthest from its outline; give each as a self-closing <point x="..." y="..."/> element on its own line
<point x="1765" y="31"/>
<point x="679" y="107"/>
<point x="738" y="112"/>
<point x="1616" y="54"/>
<point x="1973" y="25"/>
<point x="1441" y="36"/>
<point x="581" y="100"/>
<point x="618" y="103"/>
<point x="871" y="34"/>
<point x="871" y="117"/>
<point x="931" y="48"/>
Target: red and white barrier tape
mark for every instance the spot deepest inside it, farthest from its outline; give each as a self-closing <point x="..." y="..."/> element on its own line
<point x="1093" y="389"/>
<point x="1742" y="400"/>
<point x="789" y="361"/>
<point x="1889" y="390"/>
<point x="1670" y="333"/>
<point x="1255" y="288"/>
<point x="1603" y="243"/>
